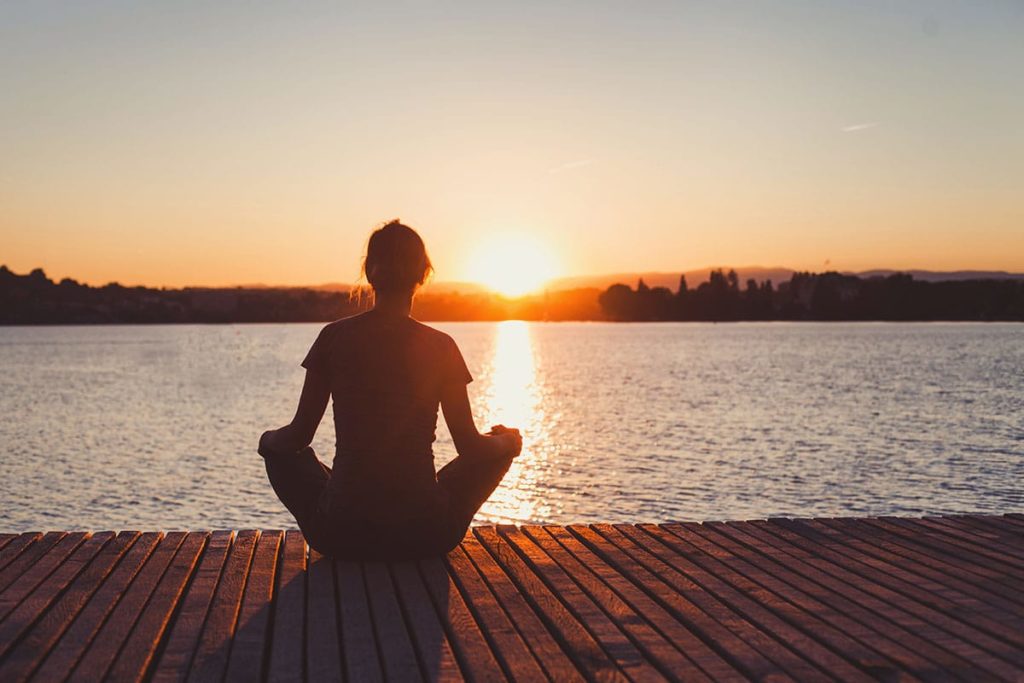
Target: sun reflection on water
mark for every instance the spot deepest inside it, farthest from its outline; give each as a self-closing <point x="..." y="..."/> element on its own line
<point x="512" y="398"/>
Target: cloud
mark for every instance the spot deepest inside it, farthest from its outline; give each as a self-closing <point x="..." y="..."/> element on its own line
<point x="570" y="165"/>
<point x="860" y="126"/>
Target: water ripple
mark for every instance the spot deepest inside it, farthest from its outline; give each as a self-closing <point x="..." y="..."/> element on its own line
<point x="155" y="427"/>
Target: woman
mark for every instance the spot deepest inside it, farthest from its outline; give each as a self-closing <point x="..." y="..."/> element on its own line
<point x="387" y="374"/>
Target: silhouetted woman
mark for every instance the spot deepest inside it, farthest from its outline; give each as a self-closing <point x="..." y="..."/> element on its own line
<point x="387" y="374"/>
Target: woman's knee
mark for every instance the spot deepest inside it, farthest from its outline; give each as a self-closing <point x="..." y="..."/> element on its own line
<point x="299" y="485"/>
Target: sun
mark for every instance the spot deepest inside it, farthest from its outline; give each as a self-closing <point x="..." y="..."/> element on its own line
<point x="512" y="264"/>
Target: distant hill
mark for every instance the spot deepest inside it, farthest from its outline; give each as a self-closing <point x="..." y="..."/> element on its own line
<point x="777" y="275"/>
<point x="431" y="287"/>
<point x="671" y="280"/>
<point x="944" y="276"/>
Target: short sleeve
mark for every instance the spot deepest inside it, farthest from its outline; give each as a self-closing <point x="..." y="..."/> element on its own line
<point x="456" y="371"/>
<point x="319" y="355"/>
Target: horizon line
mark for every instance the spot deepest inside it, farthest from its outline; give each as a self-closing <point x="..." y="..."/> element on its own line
<point x="556" y="284"/>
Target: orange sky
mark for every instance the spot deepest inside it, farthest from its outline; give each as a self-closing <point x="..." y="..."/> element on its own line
<point x="198" y="144"/>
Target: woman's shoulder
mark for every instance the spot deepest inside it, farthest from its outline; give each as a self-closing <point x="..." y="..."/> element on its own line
<point x="342" y="327"/>
<point x="431" y="332"/>
<point x="348" y="322"/>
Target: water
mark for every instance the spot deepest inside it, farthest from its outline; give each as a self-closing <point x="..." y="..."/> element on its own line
<point x="156" y="427"/>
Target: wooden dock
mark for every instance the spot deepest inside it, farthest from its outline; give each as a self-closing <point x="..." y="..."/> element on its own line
<point x="812" y="599"/>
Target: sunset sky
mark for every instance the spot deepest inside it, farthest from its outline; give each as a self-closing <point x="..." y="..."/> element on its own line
<point x="222" y="143"/>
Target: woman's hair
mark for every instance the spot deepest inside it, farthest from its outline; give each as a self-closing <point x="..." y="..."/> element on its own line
<point x="396" y="259"/>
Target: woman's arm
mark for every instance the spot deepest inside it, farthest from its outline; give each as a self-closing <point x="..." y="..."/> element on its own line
<point x="501" y="442"/>
<point x="296" y="435"/>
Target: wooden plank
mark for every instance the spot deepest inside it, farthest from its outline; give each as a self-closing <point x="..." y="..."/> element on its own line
<point x="323" y="650"/>
<point x="813" y="617"/>
<point x="963" y="543"/>
<point x="998" y="530"/>
<point x="1003" y="531"/>
<point x="433" y="649"/>
<point x="954" y="604"/>
<point x="79" y="635"/>
<point x="585" y="651"/>
<point x="977" y="535"/>
<point x="665" y="641"/>
<point x="211" y="658"/>
<point x="880" y="648"/>
<point x="30" y="650"/>
<point x="676" y="633"/>
<point x="16" y="545"/>
<point x="27" y="558"/>
<point x="249" y="646"/>
<point x="1017" y="520"/>
<point x="288" y="642"/>
<point x="884" y="615"/>
<point x="938" y="546"/>
<point x="555" y="662"/>
<point x="963" y="582"/>
<point x="931" y="599"/>
<point x="1006" y="529"/>
<point x="508" y="646"/>
<point x="471" y="649"/>
<point x="104" y="648"/>
<point x="183" y="640"/>
<point x="676" y="595"/>
<point x="626" y="654"/>
<point x="962" y="607"/>
<point x="5" y="539"/>
<point x="754" y="603"/>
<point x="950" y="634"/>
<point x="983" y="581"/>
<point x="1009" y="524"/>
<point x="148" y="631"/>
<point x="949" y="546"/>
<point x="41" y="568"/>
<point x="396" y="650"/>
<point x="359" y="645"/>
<point x="23" y="611"/>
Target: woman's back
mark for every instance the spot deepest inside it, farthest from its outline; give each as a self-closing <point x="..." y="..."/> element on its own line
<point x="386" y="376"/>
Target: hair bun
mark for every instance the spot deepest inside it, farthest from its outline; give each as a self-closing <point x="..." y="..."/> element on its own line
<point x="396" y="258"/>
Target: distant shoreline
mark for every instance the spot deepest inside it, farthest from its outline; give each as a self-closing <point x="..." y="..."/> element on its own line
<point x="34" y="299"/>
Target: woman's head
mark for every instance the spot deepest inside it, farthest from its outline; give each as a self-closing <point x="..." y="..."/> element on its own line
<point x="396" y="259"/>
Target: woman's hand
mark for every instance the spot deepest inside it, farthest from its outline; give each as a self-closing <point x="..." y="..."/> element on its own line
<point x="509" y="438"/>
<point x="275" y="442"/>
<point x="500" y="442"/>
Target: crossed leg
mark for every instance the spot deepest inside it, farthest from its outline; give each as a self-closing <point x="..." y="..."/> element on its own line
<point x="298" y="480"/>
<point x="468" y="482"/>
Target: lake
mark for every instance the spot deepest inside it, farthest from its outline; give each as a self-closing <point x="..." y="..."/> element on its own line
<point x="155" y="427"/>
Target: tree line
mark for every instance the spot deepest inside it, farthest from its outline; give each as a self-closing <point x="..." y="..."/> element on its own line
<point x="35" y="299"/>
<point x="818" y="296"/>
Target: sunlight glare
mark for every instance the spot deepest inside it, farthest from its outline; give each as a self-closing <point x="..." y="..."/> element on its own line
<point x="513" y="399"/>
<point x="512" y="264"/>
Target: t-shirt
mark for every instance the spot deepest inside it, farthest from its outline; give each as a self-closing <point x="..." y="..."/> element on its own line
<point x="386" y="377"/>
